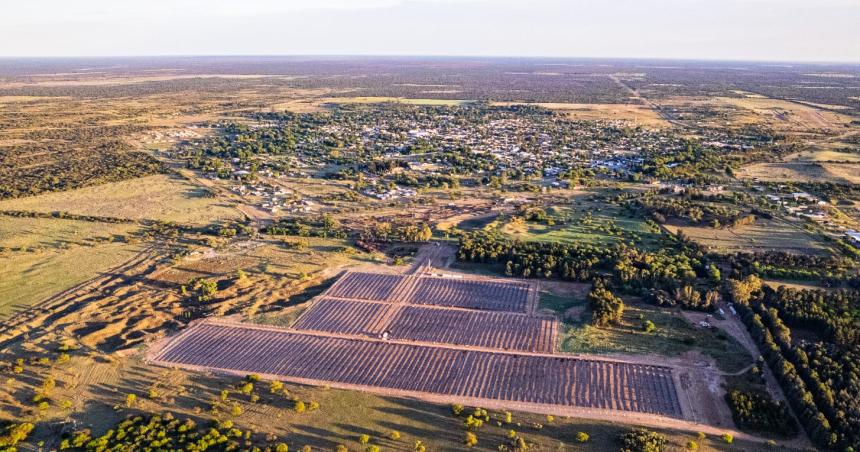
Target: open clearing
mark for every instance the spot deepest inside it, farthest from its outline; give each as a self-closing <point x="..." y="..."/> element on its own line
<point x="635" y="113"/>
<point x="159" y="197"/>
<point x="673" y="337"/>
<point x="802" y="172"/>
<point x="781" y="115"/>
<point x="47" y="256"/>
<point x="398" y="100"/>
<point x="763" y="235"/>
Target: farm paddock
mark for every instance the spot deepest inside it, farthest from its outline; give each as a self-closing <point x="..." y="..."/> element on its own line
<point x="483" y="294"/>
<point x="412" y="370"/>
<point x="499" y="330"/>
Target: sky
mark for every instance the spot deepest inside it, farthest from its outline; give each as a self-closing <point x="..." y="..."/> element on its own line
<point x="768" y="30"/>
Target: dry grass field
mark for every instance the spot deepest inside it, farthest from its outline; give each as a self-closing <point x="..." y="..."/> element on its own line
<point x="764" y="235"/>
<point x="159" y="197"/>
<point x="802" y="172"/>
<point x="46" y="256"/>
<point x="633" y="113"/>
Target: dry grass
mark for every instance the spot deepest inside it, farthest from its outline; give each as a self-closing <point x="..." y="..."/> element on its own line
<point x="802" y="172"/>
<point x="781" y="115"/>
<point x="634" y="113"/>
<point x="159" y="197"/>
<point x="762" y="236"/>
<point x="47" y="256"/>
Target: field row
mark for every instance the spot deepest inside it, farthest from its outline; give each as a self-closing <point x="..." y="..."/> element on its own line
<point x="365" y="286"/>
<point x="503" y="330"/>
<point x="462" y="293"/>
<point x="342" y="316"/>
<point x="425" y="369"/>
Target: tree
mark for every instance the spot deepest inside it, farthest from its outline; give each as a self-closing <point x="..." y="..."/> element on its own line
<point x="364" y="439"/>
<point x="606" y="308"/>
<point x="582" y="437"/>
<point x="394" y="435"/>
<point x="641" y="440"/>
<point x="742" y="291"/>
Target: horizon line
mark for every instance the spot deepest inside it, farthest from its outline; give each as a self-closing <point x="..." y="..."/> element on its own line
<point x="384" y="55"/>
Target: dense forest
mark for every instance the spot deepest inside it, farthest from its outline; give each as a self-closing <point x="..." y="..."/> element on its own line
<point x="810" y="341"/>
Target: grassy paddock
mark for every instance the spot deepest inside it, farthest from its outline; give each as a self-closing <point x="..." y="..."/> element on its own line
<point x="159" y="197"/>
<point x="674" y="336"/>
<point x="44" y="256"/>
<point x="585" y="224"/>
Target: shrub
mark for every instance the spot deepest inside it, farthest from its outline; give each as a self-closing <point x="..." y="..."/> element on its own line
<point x="728" y="438"/>
<point x="394" y="435"/>
<point x="582" y="437"/>
<point x="471" y="439"/>
<point x="641" y="440"/>
<point x="275" y="387"/>
<point x="648" y="326"/>
<point x="363" y="439"/>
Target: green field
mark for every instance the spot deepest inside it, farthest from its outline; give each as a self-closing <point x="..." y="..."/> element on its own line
<point x="159" y="197"/>
<point x="599" y="226"/>
<point x="673" y="337"/>
<point x="44" y="256"/>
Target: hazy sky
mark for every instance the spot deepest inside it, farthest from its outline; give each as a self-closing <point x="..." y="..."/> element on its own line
<point x="808" y="30"/>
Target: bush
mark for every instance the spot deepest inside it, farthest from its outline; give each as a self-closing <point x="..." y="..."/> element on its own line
<point x="471" y="439"/>
<point x="582" y="437"/>
<point x="394" y="435"/>
<point x="728" y="438"/>
<point x="363" y="439"/>
<point x="648" y="326"/>
<point x="641" y="440"/>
